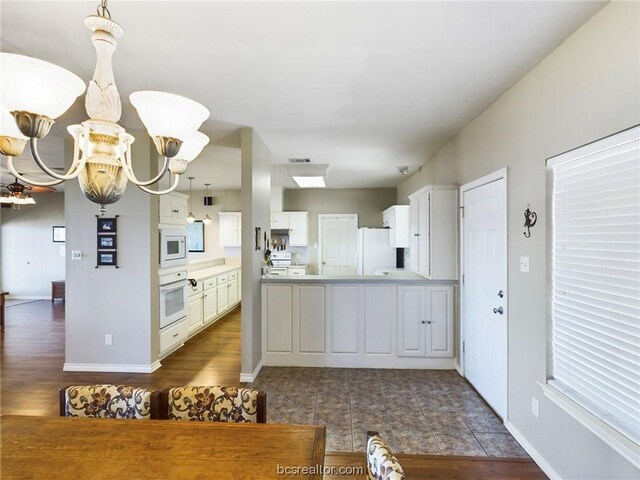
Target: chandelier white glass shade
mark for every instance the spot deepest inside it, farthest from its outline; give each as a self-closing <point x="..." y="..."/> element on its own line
<point x="35" y="93"/>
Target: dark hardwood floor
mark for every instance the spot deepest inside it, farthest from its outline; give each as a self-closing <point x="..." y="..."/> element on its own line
<point x="32" y="357"/>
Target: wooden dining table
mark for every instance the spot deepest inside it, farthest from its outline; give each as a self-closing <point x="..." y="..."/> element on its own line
<point x="58" y="447"/>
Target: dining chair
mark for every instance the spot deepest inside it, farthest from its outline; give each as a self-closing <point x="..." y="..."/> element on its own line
<point x="381" y="463"/>
<point x="105" y="401"/>
<point x="213" y="403"/>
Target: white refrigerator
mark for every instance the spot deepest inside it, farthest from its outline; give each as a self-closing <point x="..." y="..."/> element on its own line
<point x="373" y="250"/>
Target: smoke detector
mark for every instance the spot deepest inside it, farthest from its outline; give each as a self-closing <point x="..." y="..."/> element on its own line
<point x="403" y="170"/>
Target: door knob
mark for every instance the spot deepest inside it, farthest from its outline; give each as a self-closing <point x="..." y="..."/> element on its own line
<point x="324" y="263"/>
<point x="501" y="294"/>
<point x="499" y="310"/>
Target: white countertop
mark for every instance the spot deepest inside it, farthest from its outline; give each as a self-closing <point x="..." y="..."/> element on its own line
<point x="212" y="271"/>
<point x="405" y="277"/>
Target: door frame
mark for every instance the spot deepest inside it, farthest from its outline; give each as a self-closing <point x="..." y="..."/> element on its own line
<point x="492" y="177"/>
<point x="333" y="215"/>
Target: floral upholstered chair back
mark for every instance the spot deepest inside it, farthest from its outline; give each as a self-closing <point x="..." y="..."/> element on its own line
<point x="216" y="404"/>
<point x="381" y="463"/>
<point x="105" y="401"/>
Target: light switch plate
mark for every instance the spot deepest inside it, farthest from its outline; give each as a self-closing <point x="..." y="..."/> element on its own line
<point x="76" y="254"/>
<point x="524" y="264"/>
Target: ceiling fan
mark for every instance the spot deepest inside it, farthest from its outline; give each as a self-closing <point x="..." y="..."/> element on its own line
<point x="16" y="196"/>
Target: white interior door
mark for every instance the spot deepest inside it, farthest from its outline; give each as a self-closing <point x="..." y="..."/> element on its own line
<point x="338" y="244"/>
<point x="485" y="291"/>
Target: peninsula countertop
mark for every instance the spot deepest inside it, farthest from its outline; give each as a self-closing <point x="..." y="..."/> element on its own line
<point x="212" y="271"/>
<point x="405" y="277"/>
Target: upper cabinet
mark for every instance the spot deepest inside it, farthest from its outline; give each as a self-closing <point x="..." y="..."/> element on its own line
<point x="173" y="209"/>
<point x="433" y="232"/>
<point x="296" y="222"/>
<point x="396" y="219"/>
<point x="230" y="229"/>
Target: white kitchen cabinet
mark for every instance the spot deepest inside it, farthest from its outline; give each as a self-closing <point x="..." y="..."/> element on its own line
<point x="396" y="219"/>
<point x="433" y="225"/>
<point x="239" y="285"/>
<point x="279" y="220"/>
<point x="425" y="321"/>
<point x="173" y="337"/>
<point x="344" y="314"/>
<point x="379" y="318"/>
<point x="172" y="209"/>
<point x="223" y="298"/>
<point x="230" y="229"/>
<point x="233" y="292"/>
<point x="296" y="271"/>
<point x="298" y="229"/>
<point x="296" y="222"/>
<point x="311" y="307"/>
<point x="196" y="316"/>
<point x="210" y="300"/>
<point x="278" y="319"/>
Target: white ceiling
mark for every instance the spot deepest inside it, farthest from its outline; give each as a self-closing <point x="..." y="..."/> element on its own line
<point x="363" y="86"/>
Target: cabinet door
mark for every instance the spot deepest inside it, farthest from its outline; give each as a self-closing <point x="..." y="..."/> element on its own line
<point x="223" y="298"/>
<point x="298" y="229"/>
<point x="233" y="292"/>
<point x="379" y="318"/>
<point x="411" y="321"/>
<point x="387" y="218"/>
<point x="439" y="317"/>
<point x="279" y="220"/>
<point x="210" y="304"/>
<point x="179" y="210"/>
<point x="230" y="229"/>
<point x="195" y="313"/>
<point x="311" y="318"/>
<point x="165" y="209"/>
<point x="277" y="308"/>
<point x="413" y="235"/>
<point x="423" y="234"/>
<point x="239" y="285"/>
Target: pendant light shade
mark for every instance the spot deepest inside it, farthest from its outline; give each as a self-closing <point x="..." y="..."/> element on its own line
<point x="207" y="219"/>
<point x="191" y="217"/>
<point x="192" y="146"/>
<point x="8" y="127"/>
<point x="169" y="115"/>
<point x="31" y="85"/>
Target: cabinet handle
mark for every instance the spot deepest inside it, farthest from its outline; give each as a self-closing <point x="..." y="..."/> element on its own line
<point x="178" y="333"/>
<point x="175" y="211"/>
<point x="428" y="322"/>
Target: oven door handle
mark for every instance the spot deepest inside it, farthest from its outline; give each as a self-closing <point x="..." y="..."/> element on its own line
<point x="173" y="285"/>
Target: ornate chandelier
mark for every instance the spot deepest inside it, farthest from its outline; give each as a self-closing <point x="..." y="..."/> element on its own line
<point x="36" y="92"/>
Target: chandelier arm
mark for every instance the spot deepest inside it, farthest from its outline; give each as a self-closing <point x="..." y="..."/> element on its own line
<point x="176" y="179"/>
<point x="128" y="170"/>
<point x="73" y="172"/>
<point x="15" y="173"/>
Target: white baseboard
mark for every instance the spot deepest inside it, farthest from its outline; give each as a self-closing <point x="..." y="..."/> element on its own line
<point x="250" y="377"/>
<point x="533" y="453"/>
<point x="110" y="367"/>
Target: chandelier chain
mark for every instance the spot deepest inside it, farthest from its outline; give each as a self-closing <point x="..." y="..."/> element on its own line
<point x="102" y="10"/>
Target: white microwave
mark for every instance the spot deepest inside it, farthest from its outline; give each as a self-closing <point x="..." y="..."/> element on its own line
<point x="173" y="247"/>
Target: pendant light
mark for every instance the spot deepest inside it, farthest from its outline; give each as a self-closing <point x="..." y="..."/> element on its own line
<point x="207" y="219"/>
<point x="191" y="217"/>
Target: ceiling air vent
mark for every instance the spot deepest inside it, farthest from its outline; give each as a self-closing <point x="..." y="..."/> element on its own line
<point x="299" y="160"/>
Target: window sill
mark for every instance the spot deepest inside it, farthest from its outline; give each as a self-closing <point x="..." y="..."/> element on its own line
<point x="609" y="435"/>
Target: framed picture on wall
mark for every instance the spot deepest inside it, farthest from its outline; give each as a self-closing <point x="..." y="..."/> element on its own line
<point x="107" y="225"/>
<point x="108" y="258"/>
<point x="59" y="234"/>
<point x="107" y="242"/>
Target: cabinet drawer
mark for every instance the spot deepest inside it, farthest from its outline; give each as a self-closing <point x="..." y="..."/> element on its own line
<point x="210" y="283"/>
<point x="194" y="291"/>
<point x="233" y="275"/>
<point x="296" y="271"/>
<point x="222" y="279"/>
<point x="173" y="335"/>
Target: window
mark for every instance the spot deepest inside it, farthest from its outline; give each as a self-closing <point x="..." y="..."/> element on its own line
<point x="596" y="279"/>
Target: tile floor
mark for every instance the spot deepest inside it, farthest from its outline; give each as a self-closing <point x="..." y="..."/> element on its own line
<point x="415" y="411"/>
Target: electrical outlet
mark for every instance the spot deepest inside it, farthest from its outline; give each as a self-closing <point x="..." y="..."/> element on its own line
<point x="108" y="339"/>
<point x="524" y="264"/>
<point x="535" y="407"/>
<point x="76" y="254"/>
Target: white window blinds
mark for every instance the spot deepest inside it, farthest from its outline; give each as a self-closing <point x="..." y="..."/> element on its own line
<point x="596" y="278"/>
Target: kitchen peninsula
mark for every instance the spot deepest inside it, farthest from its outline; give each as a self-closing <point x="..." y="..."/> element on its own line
<point x="396" y="321"/>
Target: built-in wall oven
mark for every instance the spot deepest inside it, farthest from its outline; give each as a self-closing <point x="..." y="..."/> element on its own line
<point x="173" y="247"/>
<point x="173" y="298"/>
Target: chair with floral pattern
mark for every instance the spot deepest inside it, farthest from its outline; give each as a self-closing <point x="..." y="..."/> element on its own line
<point x="213" y="403"/>
<point x="105" y="401"/>
<point x="381" y="463"/>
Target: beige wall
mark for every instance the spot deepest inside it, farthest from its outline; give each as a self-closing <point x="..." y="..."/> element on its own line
<point x="30" y="259"/>
<point x="587" y="89"/>
<point x="368" y="203"/>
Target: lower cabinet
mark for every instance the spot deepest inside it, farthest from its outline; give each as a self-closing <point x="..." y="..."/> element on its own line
<point x="425" y="321"/>
<point x="210" y="300"/>
<point x="196" y="314"/>
<point x="233" y="292"/>
<point x="173" y="337"/>
<point x="358" y="325"/>
<point x="223" y="298"/>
